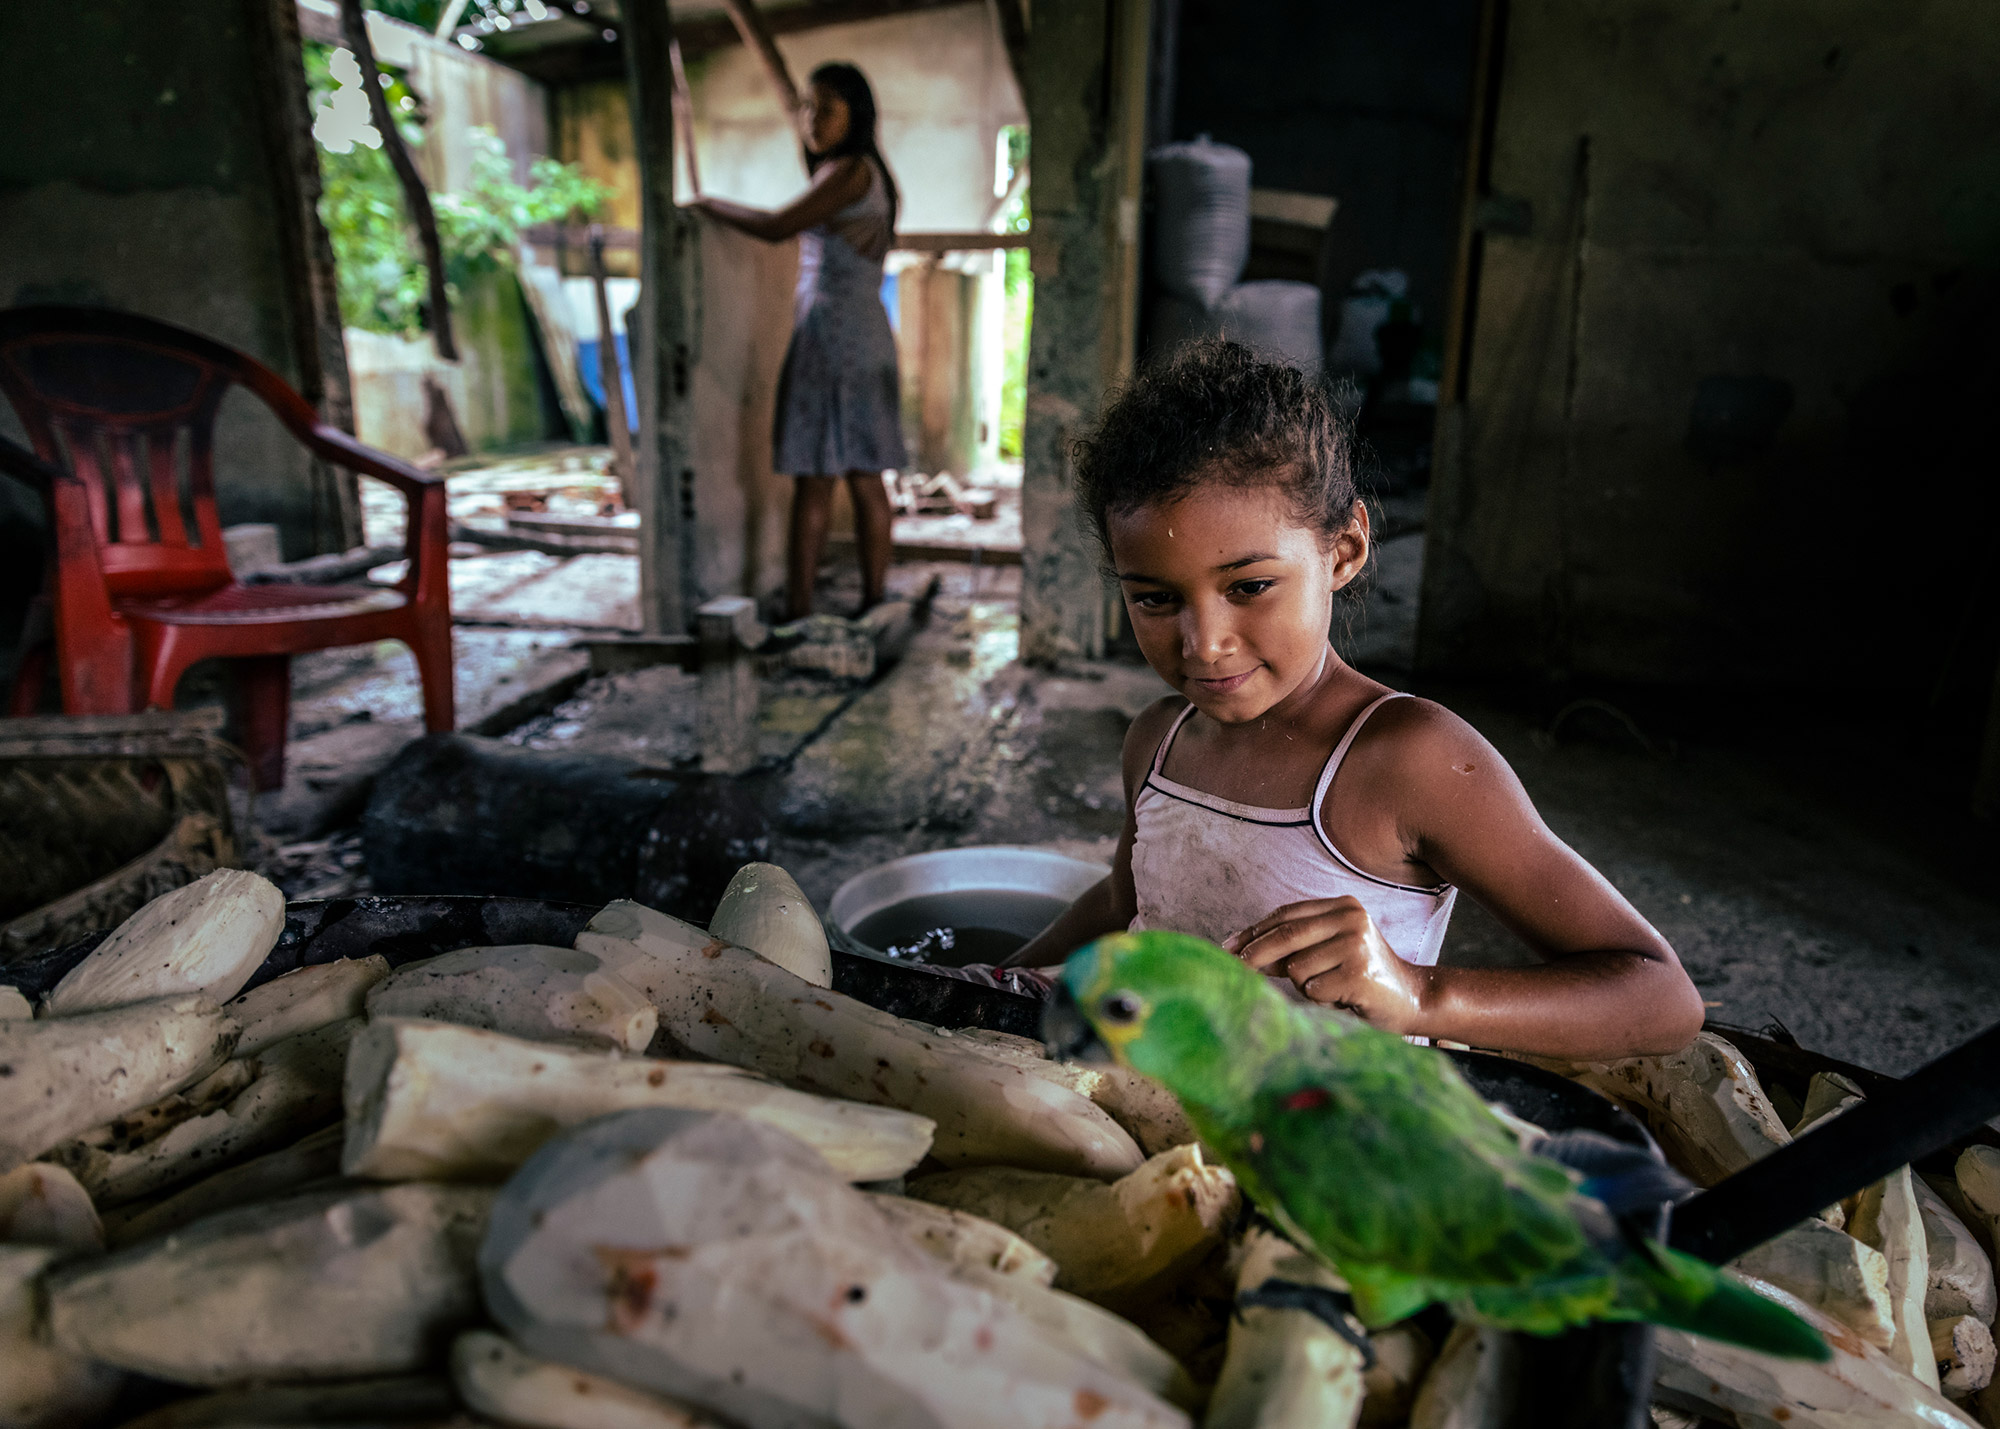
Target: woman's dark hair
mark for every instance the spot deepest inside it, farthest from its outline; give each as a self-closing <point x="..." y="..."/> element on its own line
<point x="1215" y="412"/>
<point x="852" y="87"/>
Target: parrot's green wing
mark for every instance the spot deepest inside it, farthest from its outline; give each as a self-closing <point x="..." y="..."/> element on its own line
<point x="1375" y="1153"/>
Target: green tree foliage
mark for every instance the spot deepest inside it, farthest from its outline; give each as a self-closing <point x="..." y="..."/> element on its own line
<point x="380" y="267"/>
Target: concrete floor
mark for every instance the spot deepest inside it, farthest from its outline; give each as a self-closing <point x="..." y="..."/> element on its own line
<point x="1805" y="871"/>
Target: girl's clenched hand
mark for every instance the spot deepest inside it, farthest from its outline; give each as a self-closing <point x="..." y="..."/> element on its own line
<point x="1333" y="953"/>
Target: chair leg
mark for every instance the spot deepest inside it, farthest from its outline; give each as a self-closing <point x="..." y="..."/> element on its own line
<point x="431" y="644"/>
<point x="29" y="678"/>
<point x="31" y="672"/>
<point x="261" y="711"/>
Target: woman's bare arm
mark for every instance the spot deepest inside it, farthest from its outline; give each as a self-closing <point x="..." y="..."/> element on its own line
<point x="1110" y="905"/>
<point x="833" y="188"/>
<point x="1611" y="985"/>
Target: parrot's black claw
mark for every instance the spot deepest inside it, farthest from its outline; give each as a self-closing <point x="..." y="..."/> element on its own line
<point x="1335" y="1308"/>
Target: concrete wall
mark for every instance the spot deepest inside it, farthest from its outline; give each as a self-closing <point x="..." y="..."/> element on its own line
<point x="1086" y="75"/>
<point x="941" y="80"/>
<point x="948" y="356"/>
<point x="593" y="130"/>
<point x="943" y="89"/>
<point x="493" y="387"/>
<point x="135" y="175"/>
<point x="1712" y="392"/>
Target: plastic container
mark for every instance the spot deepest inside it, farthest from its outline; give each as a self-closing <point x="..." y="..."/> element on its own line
<point x="1201" y="218"/>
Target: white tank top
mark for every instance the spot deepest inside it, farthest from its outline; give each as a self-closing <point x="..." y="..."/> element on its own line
<point x="1212" y="867"/>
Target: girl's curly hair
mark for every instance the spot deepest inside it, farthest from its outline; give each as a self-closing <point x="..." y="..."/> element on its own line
<point x="1216" y="412"/>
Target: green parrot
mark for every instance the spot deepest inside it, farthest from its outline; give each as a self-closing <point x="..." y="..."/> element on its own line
<point x="1376" y="1155"/>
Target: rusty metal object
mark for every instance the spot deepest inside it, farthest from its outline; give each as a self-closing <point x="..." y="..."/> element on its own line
<point x="460" y="814"/>
<point x="100" y="814"/>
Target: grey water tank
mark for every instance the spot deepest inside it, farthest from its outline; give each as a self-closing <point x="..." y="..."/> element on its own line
<point x="1201" y="218"/>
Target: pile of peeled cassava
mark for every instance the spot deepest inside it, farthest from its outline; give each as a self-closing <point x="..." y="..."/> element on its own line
<point x="667" y="1177"/>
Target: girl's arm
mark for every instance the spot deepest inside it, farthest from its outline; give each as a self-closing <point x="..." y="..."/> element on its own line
<point x="1611" y="986"/>
<point x="1094" y="914"/>
<point x="833" y="188"/>
<point x="1110" y="905"/>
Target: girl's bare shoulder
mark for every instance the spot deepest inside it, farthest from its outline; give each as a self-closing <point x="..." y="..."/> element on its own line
<point x="1424" y="749"/>
<point x="1143" y="736"/>
<point x="846" y="177"/>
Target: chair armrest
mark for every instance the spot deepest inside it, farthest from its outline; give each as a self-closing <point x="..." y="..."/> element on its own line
<point x="336" y="446"/>
<point x="425" y="534"/>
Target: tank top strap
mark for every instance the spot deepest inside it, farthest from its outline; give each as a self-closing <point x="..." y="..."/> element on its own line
<point x="1167" y="740"/>
<point x="1334" y="759"/>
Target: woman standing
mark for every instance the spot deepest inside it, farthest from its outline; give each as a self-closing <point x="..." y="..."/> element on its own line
<point x="839" y="400"/>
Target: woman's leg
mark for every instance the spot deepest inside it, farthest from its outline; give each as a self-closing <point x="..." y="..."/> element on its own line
<point x="812" y="503"/>
<point x="871" y="533"/>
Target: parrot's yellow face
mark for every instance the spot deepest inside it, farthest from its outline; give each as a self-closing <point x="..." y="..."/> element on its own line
<point x="1165" y="1004"/>
<point x="1116" y="1015"/>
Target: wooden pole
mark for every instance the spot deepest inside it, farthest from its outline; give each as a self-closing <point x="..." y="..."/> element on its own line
<point x="663" y="472"/>
<point x="416" y="200"/>
<point x="448" y="21"/>
<point x="609" y="371"/>
<point x="684" y="114"/>
<point x="1479" y="127"/>
<point x="757" y="36"/>
<point x="1130" y="58"/>
<point x="1013" y="17"/>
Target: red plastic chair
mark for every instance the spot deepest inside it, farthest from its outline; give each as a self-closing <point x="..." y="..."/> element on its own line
<point x="121" y="410"/>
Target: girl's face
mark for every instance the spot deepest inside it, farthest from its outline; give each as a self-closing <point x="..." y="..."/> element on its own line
<point x="827" y="119"/>
<point x="1230" y="597"/>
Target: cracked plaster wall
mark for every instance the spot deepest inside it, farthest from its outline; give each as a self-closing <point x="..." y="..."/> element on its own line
<point x="1749" y="192"/>
<point x="134" y="175"/>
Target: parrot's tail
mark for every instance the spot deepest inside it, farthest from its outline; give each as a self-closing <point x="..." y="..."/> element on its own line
<point x="1683" y="1293"/>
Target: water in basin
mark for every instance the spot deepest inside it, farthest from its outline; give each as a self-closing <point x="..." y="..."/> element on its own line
<point x="969" y="926"/>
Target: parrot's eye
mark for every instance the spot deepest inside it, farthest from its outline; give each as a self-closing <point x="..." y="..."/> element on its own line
<point x="1120" y="1007"/>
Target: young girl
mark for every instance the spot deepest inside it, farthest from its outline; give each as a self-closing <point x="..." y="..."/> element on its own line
<point x="1310" y="819"/>
<point x="839" y="401"/>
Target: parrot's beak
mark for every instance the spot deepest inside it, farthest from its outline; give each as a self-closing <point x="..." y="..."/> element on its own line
<point x="1067" y="1033"/>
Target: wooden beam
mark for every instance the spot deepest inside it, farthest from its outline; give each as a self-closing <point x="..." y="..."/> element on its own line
<point x="661" y="355"/>
<point x="626" y="240"/>
<point x="702" y="35"/>
<point x="1013" y="18"/>
<point x="684" y="114"/>
<point x="609" y="371"/>
<point x="581" y="57"/>
<point x="1131" y="62"/>
<point x="1483" y="116"/>
<point x="751" y="29"/>
<point x="958" y="242"/>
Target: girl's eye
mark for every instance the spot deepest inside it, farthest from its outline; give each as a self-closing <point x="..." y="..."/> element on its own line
<point x="1153" y="599"/>
<point x="1252" y="587"/>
